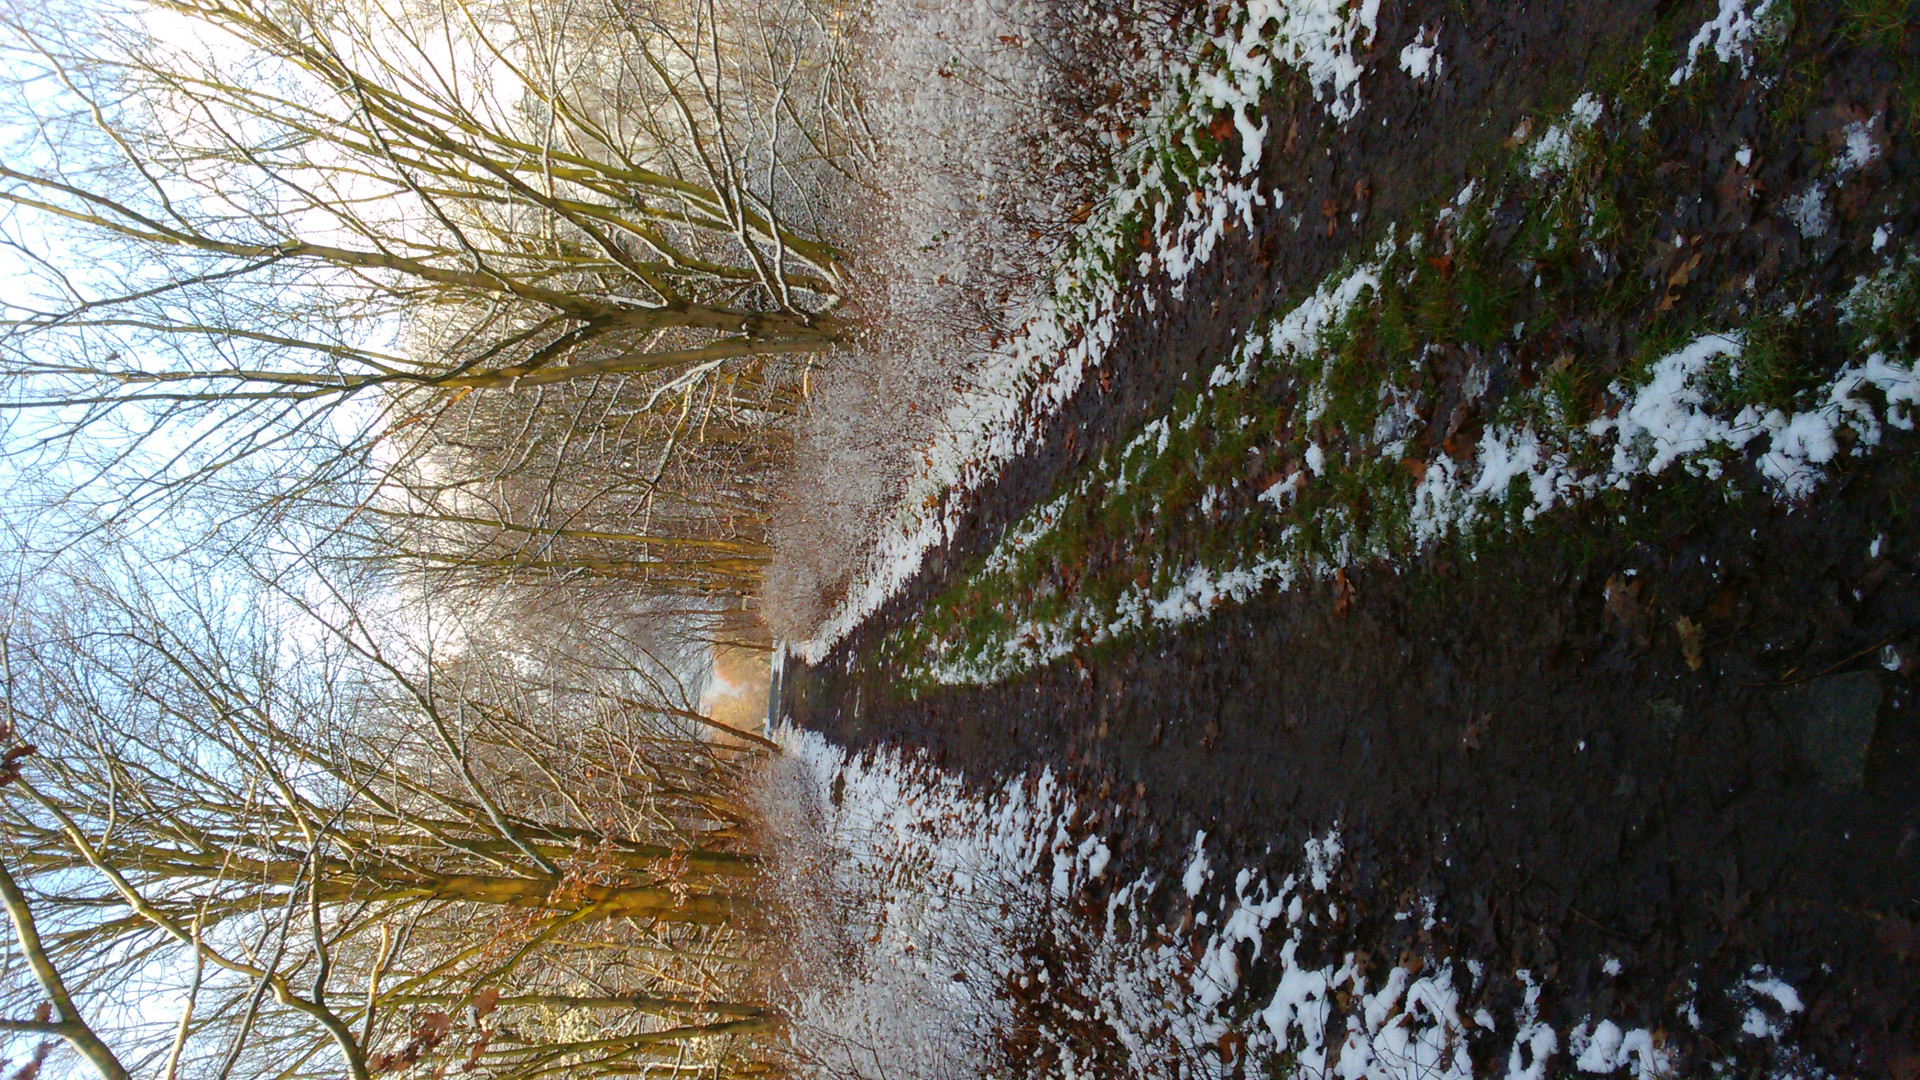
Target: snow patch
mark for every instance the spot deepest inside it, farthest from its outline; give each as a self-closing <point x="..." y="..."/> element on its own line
<point x="1421" y="59"/>
<point x="1728" y="34"/>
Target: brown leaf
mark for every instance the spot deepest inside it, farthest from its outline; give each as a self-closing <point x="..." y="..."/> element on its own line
<point x="485" y="1002"/>
<point x="1222" y="127"/>
<point x="1416" y="468"/>
<point x="1342" y="593"/>
<point x="1623" y="602"/>
<point x="433" y="1026"/>
<point x="1684" y="273"/>
<point x="1690" y="642"/>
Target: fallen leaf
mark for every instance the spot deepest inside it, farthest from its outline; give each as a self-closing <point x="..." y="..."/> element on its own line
<point x="1677" y="280"/>
<point x="1342" y="592"/>
<point x="1690" y="642"/>
<point x="1684" y="273"/>
<point x="1623" y="602"/>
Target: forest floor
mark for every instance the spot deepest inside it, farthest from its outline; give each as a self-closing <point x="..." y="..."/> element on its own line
<point x="1663" y="717"/>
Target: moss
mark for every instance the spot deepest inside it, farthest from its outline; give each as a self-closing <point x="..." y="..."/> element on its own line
<point x="1533" y="253"/>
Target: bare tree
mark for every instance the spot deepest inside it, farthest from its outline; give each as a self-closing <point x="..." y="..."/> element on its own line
<point x="333" y="861"/>
<point x="286" y="207"/>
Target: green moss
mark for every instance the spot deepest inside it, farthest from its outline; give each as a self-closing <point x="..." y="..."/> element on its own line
<point x="1530" y="252"/>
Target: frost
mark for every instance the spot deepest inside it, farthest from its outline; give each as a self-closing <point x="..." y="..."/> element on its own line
<point x="1861" y="150"/>
<point x="1809" y="211"/>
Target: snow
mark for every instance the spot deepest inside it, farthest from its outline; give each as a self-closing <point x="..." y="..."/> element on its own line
<point x="1771" y="986"/>
<point x="1558" y="147"/>
<point x="1809" y="211"/>
<point x="1066" y="335"/>
<point x="1421" y="59"/>
<point x="1671" y="415"/>
<point x="1608" y="1049"/>
<point x="1728" y="34"/>
<point x="1861" y="148"/>
<point x="935" y="894"/>
<point x="1197" y="872"/>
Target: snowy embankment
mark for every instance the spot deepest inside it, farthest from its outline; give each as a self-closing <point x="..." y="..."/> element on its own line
<point x="1670" y="419"/>
<point x="977" y="935"/>
<point x="1685" y="411"/>
<point x="1187" y="193"/>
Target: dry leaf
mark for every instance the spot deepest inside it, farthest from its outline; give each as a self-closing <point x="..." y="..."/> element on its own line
<point x="1342" y="592"/>
<point x="1690" y="642"/>
<point x="1685" y="272"/>
<point x="1623" y="602"/>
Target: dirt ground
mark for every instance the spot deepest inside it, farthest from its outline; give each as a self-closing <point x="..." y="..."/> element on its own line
<point x="1522" y="736"/>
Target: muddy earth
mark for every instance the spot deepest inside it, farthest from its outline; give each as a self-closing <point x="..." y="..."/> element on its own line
<point x="1687" y="737"/>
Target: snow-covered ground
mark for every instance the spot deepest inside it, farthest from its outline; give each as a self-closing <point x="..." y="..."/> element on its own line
<point x="1189" y="194"/>
<point x="947" y="933"/>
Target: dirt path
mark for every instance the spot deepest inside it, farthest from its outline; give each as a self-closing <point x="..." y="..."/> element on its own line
<point x="1687" y="738"/>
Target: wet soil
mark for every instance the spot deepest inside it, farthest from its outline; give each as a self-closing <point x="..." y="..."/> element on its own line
<point x="1523" y="736"/>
